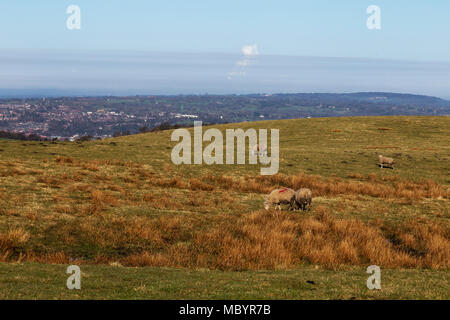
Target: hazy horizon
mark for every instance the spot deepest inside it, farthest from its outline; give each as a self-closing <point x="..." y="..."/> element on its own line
<point x="102" y="72"/>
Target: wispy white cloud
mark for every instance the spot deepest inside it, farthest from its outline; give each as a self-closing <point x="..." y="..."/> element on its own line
<point x="250" y="50"/>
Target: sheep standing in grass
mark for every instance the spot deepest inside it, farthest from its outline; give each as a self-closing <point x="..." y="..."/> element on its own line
<point x="302" y="199"/>
<point x="259" y="150"/>
<point x="278" y="197"/>
<point x="386" y="162"/>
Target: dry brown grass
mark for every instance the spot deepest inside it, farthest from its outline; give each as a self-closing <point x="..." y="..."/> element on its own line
<point x="374" y="186"/>
<point x="425" y="240"/>
<point x="272" y="240"/>
<point x="83" y="187"/>
<point x="65" y="208"/>
<point x="354" y="175"/>
<point x="13" y="239"/>
<point x="148" y="197"/>
<point x="265" y="240"/>
<point x="196" y="184"/>
<point x="99" y="201"/>
<point x="13" y="171"/>
<point x="90" y="166"/>
<point x="103" y="197"/>
<point x="61" y="159"/>
<point x="53" y="182"/>
<point x="209" y="221"/>
<point x="256" y="240"/>
<point x="175" y="182"/>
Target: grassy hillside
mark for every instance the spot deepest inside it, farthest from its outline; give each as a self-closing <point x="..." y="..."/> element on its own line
<point x="41" y="281"/>
<point x="122" y="202"/>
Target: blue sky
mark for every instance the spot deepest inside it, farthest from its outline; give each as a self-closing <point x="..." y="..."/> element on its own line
<point x="180" y="46"/>
<point x="411" y="29"/>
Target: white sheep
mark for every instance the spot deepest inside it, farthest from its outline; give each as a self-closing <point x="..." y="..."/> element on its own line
<point x="260" y="150"/>
<point x="278" y="197"/>
<point x="385" y="161"/>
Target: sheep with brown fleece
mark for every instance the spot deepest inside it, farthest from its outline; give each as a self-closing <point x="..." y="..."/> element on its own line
<point x="302" y="199"/>
<point x="386" y="162"/>
<point x="278" y="197"/>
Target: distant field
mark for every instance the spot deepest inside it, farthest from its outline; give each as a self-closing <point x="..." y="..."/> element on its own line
<point x="121" y="201"/>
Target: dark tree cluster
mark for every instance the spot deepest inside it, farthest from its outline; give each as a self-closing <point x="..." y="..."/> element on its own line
<point x="21" y="136"/>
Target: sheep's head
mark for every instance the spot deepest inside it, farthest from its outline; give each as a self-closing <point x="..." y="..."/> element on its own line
<point x="266" y="205"/>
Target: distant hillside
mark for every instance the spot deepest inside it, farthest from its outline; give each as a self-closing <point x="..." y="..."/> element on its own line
<point x="381" y="102"/>
<point x="397" y="98"/>
<point x="110" y="115"/>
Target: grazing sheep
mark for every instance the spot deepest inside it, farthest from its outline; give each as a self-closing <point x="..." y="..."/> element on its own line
<point x="259" y="150"/>
<point x="385" y="161"/>
<point x="278" y="197"/>
<point x="302" y="199"/>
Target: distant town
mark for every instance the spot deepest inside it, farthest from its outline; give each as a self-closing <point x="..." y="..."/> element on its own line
<point x="71" y="118"/>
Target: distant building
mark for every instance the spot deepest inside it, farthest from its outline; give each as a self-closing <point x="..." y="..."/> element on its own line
<point x="193" y="116"/>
